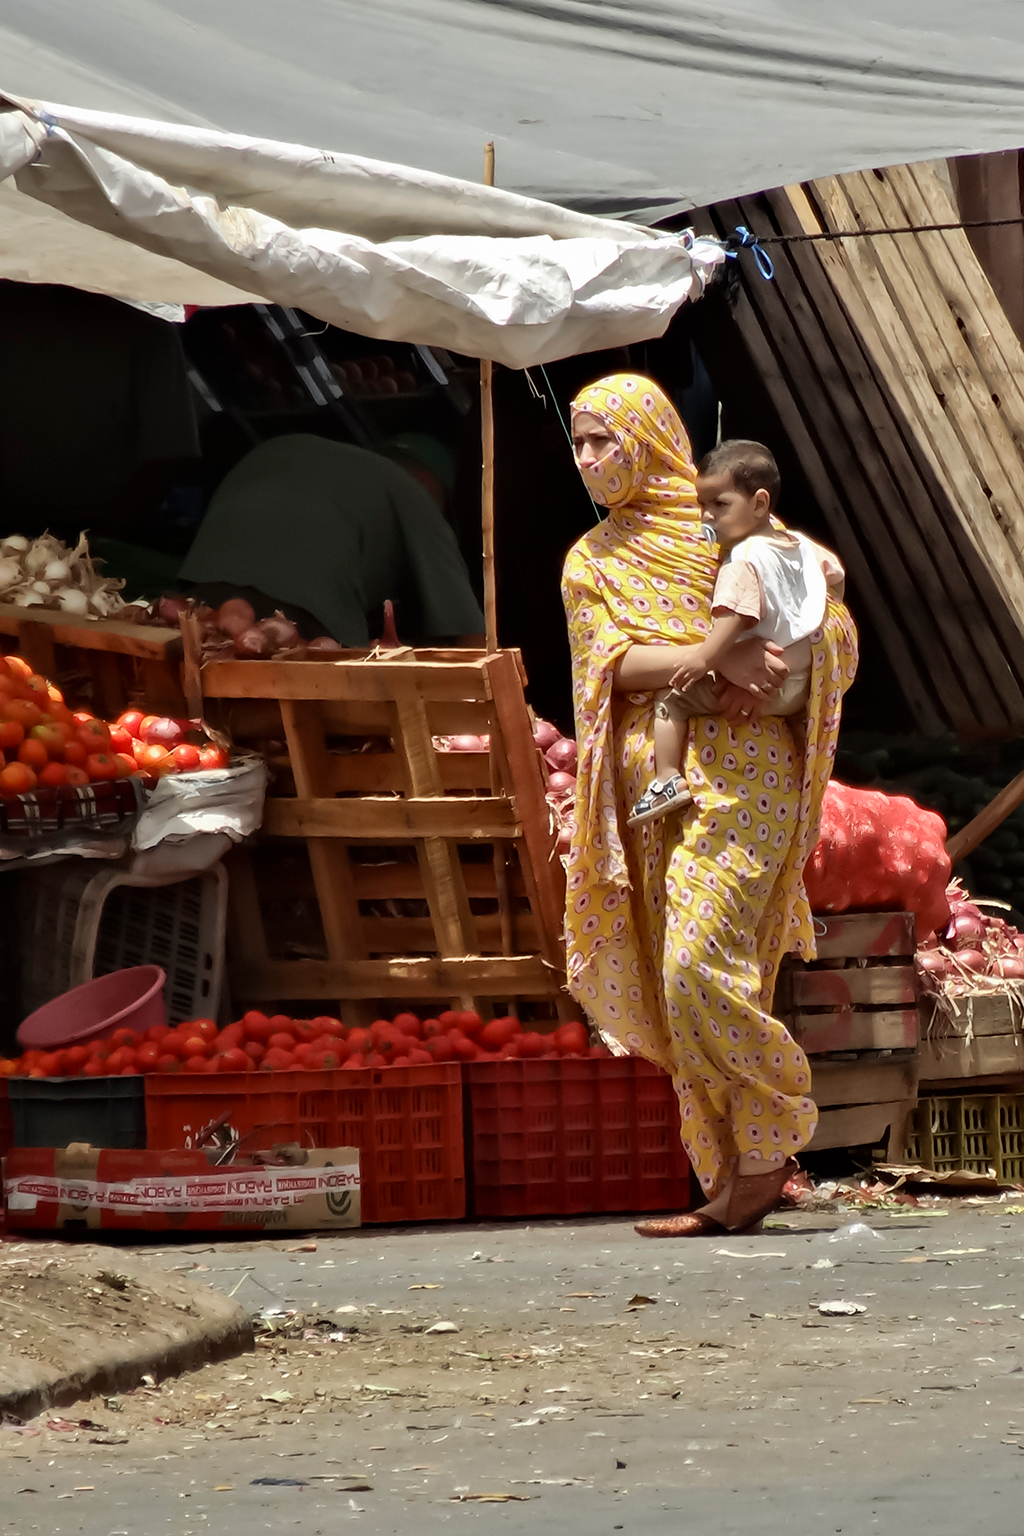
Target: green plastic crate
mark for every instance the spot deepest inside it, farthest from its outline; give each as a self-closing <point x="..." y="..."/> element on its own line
<point x="975" y="1134"/>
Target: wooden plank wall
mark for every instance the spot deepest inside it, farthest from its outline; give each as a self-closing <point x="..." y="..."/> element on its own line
<point x="900" y="384"/>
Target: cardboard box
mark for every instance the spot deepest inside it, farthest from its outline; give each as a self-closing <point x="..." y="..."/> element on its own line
<point x="88" y="1188"/>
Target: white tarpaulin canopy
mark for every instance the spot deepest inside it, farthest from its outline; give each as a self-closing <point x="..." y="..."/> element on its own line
<point x="158" y="213"/>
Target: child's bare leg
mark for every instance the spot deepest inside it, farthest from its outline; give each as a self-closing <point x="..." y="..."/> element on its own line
<point x="669" y="740"/>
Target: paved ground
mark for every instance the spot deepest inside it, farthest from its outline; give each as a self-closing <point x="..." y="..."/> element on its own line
<point x="726" y="1403"/>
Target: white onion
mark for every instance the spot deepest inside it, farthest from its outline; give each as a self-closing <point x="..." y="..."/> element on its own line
<point x="28" y="600"/>
<point x="15" y="544"/>
<point x="73" y="601"/>
<point x="57" y="570"/>
<point x="10" y="573"/>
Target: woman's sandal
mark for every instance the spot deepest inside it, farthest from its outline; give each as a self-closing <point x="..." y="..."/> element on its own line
<point x="753" y="1197"/>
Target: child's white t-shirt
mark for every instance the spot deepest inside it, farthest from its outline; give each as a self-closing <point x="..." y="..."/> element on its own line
<point x="792" y="582"/>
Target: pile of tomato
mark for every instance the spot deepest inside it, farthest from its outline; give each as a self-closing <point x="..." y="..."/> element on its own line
<point x="45" y="743"/>
<point x="280" y="1044"/>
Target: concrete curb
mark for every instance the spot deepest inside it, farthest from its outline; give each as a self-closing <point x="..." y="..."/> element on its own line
<point x="74" y="1323"/>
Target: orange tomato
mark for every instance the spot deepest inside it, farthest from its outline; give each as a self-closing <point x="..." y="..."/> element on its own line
<point x="56" y="697"/>
<point x="17" y="779"/>
<point x="33" y="753"/>
<point x="74" y="753"/>
<point x="80" y="716"/>
<point x="11" y="735"/>
<point x="77" y="777"/>
<point x="23" y="711"/>
<point x="120" y="740"/>
<point x="150" y="758"/>
<point x="126" y="766"/>
<point x="51" y="736"/>
<point x="212" y="757"/>
<point x="186" y="757"/>
<point x="131" y="721"/>
<point x="18" y="666"/>
<point x="53" y="775"/>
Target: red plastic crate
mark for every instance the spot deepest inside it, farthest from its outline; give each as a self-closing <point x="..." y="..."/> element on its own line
<point x="558" y="1138"/>
<point x="406" y="1122"/>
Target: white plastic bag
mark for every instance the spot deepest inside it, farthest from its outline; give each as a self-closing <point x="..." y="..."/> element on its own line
<point x="224" y="800"/>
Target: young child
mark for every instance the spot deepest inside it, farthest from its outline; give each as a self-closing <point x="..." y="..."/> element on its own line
<point x="772" y="583"/>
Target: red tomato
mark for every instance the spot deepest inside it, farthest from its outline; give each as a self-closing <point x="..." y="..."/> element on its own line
<point x="496" y="1035"/>
<point x="101" y="765"/>
<point x="75" y="1058"/>
<point x="81" y="716"/>
<point x="234" y="1060"/>
<point x="382" y="1030"/>
<point x="147" y="1055"/>
<point x="400" y="1061"/>
<point x="255" y="1051"/>
<point x="257" y="1026"/>
<point x="533" y="1044"/>
<point x="206" y="1029"/>
<point x="75" y="754"/>
<point x="231" y="1036"/>
<point x="439" y="1048"/>
<point x="277" y="1060"/>
<point x="462" y="1046"/>
<point x="195" y="1064"/>
<point x="53" y="775"/>
<point x="120" y="1037"/>
<point x="23" y="711"/>
<point x="304" y="1030"/>
<point x="282" y="1024"/>
<point x="158" y="1032"/>
<point x="325" y="1025"/>
<point x="356" y="1062"/>
<point x="153" y="759"/>
<point x="168" y="1063"/>
<point x="77" y="777"/>
<point x="431" y="1028"/>
<point x="94" y="736"/>
<point x="212" y="757"/>
<point x="419" y="1058"/>
<point x="571" y="1038"/>
<point x="306" y="1050"/>
<point x="598" y="1051"/>
<point x="186" y="757"/>
<point x="470" y="1023"/>
<point x="449" y="1019"/>
<point x="375" y="1059"/>
<point x="358" y="1039"/>
<point x="282" y="1040"/>
<point x="96" y="1066"/>
<point x="11" y="735"/>
<point x="121" y="740"/>
<point x="195" y="1045"/>
<point x="130" y="721"/>
<point x="409" y="1024"/>
<point x="126" y="765"/>
<point x="51" y="1064"/>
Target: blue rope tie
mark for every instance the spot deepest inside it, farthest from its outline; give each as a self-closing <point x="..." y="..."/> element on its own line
<point x="743" y="240"/>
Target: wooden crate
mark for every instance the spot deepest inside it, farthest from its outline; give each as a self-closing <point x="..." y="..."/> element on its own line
<point x="121" y="661"/>
<point x="435" y="873"/>
<point x="861" y="994"/>
<point x="855" y="1012"/>
<point x="986" y="1041"/>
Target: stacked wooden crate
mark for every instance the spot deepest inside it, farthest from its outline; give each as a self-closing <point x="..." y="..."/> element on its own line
<point x="983" y="1039"/>
<point x="433" y="874"/>
<point x="855" y="1012"/>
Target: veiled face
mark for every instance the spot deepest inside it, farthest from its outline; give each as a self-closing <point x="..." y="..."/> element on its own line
<point x="591" y="439"/>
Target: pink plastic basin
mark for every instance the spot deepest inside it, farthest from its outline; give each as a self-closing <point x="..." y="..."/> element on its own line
<point x="132" y="999"/>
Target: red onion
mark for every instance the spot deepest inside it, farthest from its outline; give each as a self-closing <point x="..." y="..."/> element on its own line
<point x="170" y="609"/>
<point x="468" y="744"/>
<point x="564" y="843"/>
<point x="560" y="784"/>
<point x="562" y="756"/>
<point x="281" y="632"/>
<point x="967" y="928"/>
<point x="235" y="616"/>
<point x="164" y="732"/>
<point x="324" y="645"/>
<point x="931" y="963"/>
<point x="545" y="734"/>
<point x="973" y="959"/>
<point x="253" y="645"/>
<point x="1010" y="966"/>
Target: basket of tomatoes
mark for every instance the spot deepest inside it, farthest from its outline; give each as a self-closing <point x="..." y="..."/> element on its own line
<point x="64" y="770"/>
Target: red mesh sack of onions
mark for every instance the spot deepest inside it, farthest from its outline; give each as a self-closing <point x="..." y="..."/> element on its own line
<point x="879" y="852"/>
<point x="975" y="952"/>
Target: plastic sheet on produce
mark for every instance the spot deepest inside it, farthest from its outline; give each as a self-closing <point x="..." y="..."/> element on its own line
<point x="224" y="801"/>
<point x="384" y="250"/>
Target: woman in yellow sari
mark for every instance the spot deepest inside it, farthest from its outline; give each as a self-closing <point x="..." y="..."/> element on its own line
<point x="675" y="928"/>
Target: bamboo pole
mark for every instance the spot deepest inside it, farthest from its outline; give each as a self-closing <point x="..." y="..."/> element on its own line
<point x="487" y="479"/>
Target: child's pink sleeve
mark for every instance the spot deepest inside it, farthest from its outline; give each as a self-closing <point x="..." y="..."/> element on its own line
<point x="738" y="590"/>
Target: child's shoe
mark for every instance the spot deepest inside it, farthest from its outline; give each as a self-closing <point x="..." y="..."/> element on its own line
<point x="660" y="798"/>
